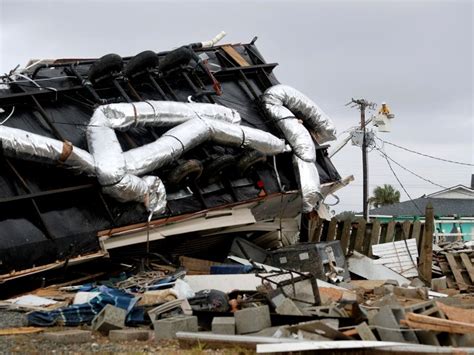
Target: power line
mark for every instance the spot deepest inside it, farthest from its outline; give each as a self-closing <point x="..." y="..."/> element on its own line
<point x="426" y="155"/>
<point x="396" y="177"/>
<point x="384" y="155"/>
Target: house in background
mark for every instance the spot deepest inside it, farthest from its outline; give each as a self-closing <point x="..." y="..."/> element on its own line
<point x="453" y="210"/>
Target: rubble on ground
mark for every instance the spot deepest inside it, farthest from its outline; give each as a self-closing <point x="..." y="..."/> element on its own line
<point x="251" y="301"/>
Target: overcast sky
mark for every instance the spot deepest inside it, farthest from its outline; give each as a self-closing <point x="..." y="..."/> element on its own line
<point x="415" y="55"/>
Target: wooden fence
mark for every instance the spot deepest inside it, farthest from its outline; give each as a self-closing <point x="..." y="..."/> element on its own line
<point x="361" y="235"/>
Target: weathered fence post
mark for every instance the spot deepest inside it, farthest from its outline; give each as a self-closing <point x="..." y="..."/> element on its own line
<point x="426" y="250"/>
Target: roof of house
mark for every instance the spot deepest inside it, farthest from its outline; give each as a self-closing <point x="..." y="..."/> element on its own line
<point x="441" y="206"/>
<point x="458" y="192"/>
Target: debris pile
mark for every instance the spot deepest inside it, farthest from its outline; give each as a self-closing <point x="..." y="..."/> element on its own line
<point x="305" y="296"/>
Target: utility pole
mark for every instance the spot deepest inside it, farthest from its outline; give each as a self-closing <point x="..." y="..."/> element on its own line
<point x="363" y="104"/>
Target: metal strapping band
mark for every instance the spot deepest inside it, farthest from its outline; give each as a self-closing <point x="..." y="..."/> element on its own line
<point x="182" y="145"/>
<point x="135" y="118"/>
<point x="152" y="107"/>
<point x="66" y="152"/>
<point x="242" y="145"/>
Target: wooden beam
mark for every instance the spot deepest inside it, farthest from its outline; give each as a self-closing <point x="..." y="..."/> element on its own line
<point x="456" y="272"/>
<point x="426" y="249"/>
<point x="374" y="236"/>
<point x="390" y="232"/>
<point x="360" y="235"/>
<point x="332" y="230"/>
<point x="406" y="229"/>
<point x="235" y="55"/>
<point x="419" y="321"/>
<point x="345" y="235"/>
<point x="468" y="265"/>
<point x="415" y="233"/>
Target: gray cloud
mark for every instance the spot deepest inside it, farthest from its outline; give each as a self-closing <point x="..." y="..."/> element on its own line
<point x="416" y="55"/>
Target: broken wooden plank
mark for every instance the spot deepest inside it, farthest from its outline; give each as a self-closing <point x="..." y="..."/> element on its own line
<point x="235" y="55"/>
<point x="468" y="265"/>
<point x="426" y="249"/>
<point x="415" y="233"/>
<point x="390" y="234"/>
<point x="332" y="230"/>
<point x="418" y="321"/>
<point x="444" y="266"/>
<point x="457" y="314"/>
<point x="462" y="285"/>
<point x="360" y="235"/>
<point x="20" y="330"/>
<point x="345" y="235"/>
<point x="374" y="236"/>
<point x="406" y="225"/>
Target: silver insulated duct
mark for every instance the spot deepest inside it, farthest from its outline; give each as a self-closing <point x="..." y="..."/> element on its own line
<point x="119" y="172"/>
<point x="289" y="109"/>
<point x="17" y="143"/>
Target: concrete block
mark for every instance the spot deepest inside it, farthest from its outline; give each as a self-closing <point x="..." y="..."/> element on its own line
<point x="415" y="293"/>
<point x="254" y="319"/>
<point x="288" y="307"/>
<point x="387" y="325"/>
<point x="391" y="282"/>
<point x="416" y="282"/>
<point x="326" y="311"/>
<point x="439" y="284"/>
<point x="365" y="332"/>
<point x="384" y="290"/>
<point x="387" y="300"/>
<point x="69" y="336"/>
<point x="168" y="327"/>
<point x="129" y="334"/>
<point x="223" y="325"/>
<point x="427" y="337"/>
<point x="109" y="318"/>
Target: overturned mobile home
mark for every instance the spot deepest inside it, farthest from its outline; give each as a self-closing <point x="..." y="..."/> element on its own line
<point x="98" y="155"/>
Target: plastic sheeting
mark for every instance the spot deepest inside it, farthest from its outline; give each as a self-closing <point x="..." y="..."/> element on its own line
<point x="286" y="106"/>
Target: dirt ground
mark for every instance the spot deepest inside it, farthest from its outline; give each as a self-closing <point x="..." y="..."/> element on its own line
<point x="36" y="344"/>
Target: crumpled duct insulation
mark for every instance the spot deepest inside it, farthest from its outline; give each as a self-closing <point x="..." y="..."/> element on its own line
<point x="308" y="180"/>
<point x="278" y="97"/>
<point x="17" y="143"/>
<point x="286" y="106"/>
<point x="193" y="124"/>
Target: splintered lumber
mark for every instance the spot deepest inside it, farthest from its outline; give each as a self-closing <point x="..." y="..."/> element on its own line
<point x="462" y="285"/>
<point x="418" y="321"/>
<point x="468" y="265"/>
<point x="360" y="235"/>
<point x="332" y="230"/>
<point x="457" y="314"/>
<point x="20" y="330"/>
<point x="426" y="248"/>
<point x="235" y="55"/>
